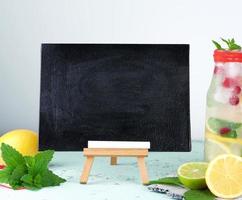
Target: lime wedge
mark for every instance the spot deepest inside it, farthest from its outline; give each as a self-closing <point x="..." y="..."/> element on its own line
<point x="192" y="174"/>
<point x="214" y="125"/>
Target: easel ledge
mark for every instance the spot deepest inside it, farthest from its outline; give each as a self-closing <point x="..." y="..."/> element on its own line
<point x="91" y="153"/>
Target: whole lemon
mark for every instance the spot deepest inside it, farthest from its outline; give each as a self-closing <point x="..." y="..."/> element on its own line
<point x="23" y="140"/>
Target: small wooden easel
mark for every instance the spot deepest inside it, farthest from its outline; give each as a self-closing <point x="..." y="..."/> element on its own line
<point x="114" y="153"/>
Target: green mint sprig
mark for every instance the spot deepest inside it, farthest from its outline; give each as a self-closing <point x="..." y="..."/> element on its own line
<point x="26" y="171"/>
<point x="198" y="195"/>
<point x="203" y="194"/>
<point x="218" y="46"/>
<point x="229" y="42"/>
<point x="167" y="181"/>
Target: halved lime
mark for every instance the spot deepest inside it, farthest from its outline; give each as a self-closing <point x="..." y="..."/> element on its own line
<point x="192" y="174"/>
<point x="214" y="125"/>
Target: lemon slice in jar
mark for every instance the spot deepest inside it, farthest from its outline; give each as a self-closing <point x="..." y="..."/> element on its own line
<point x="223" y="139"/>
<point x="215" y="148"/>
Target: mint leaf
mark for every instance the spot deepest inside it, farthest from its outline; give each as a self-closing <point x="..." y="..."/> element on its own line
<point x="231" y="44"/>
<point x="51" y="179"/>
<point x="29" y="160"/>
<point x="231" y="134"/>
<point x="5" y="174"/>
<point x="28" y="182"/>
<point x="42" y="159"/>
<point x="235" y="47"/>
<point x="38" y="181"/>
<point x="216" y="124"/>
<point x="227" y="42"/>
<point x="39" y="174"/>
<point x="39" y="162"/>
<point x="27" y="179"/>
<point x="198" y="195"/>
<point x="15" y="178"/>
<point x="218" y="46"/>
<point x="167" y="181"/>
<point x="11" y="156"/>
<point x="27" y="171"/>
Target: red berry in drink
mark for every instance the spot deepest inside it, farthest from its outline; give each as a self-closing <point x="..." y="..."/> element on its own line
<point x="236" y="90"/>
<point x="229" y="82"/>
<point x="234" y="100"/>
<point x="217" y="70"/>
<point x="224" y="130"/>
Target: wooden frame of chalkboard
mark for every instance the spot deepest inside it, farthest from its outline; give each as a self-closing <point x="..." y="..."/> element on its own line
<point x="114" y="92"/>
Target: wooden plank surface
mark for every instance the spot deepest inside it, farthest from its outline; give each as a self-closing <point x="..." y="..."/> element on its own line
<point x="114" y="152"/>
<point x="114" y="160"/>
<point x="86" y="169"/>
<point x="143" y="170"/>
<point x="119" y="144"/>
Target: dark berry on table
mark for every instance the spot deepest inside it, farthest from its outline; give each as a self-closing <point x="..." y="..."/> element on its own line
<point x="236" y="90"/>
<point x="224" y="130"/>
<point x="234" y="100"/>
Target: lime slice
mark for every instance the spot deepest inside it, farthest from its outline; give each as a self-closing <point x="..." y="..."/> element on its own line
<point x="214" y="125"/>
<point x="192" y="174"/>
<point x="214" y="148"/>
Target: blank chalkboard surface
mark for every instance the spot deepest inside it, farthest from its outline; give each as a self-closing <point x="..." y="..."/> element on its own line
<point x="114" y="92"/>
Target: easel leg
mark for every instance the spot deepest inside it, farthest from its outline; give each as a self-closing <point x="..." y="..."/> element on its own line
<point x="143" y="171"/>
<point x="114" y="160"/>
<point x="87" y="169"/>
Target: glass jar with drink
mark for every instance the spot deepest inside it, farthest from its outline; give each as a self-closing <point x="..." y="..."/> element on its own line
<point x="223" y="130"/>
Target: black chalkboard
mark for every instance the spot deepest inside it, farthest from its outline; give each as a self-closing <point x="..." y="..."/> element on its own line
<point x="121" y="92"/>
